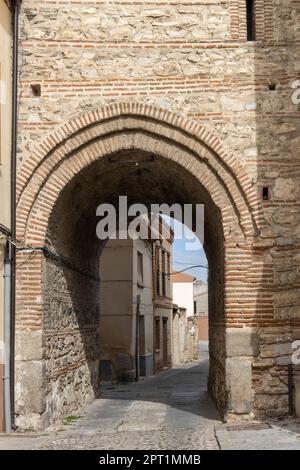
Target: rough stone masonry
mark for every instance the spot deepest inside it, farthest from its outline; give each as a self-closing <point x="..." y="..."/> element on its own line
<point x="178" y="80"/>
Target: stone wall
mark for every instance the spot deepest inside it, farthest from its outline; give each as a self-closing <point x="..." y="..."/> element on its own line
<point x="185" y="345"/>
<point x="278" y="168"/>
<point x="57" y="366"/>
<point x="192" y="58"/>
<point x="71" y="339"/>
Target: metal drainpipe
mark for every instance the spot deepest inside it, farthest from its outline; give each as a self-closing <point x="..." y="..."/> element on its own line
<point x="137" y="339"/>
<point x="290" y="388"/>
<point x="7" y="339"/>
<point x="15" y="28"/>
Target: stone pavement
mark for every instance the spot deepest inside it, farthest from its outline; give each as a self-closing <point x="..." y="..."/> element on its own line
<point x="167" y="412"/>
<point x="250" y="437"/>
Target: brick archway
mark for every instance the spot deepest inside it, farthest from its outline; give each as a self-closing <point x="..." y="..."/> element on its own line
<point x="77" y="146"/>
<point x="102" y="132"/>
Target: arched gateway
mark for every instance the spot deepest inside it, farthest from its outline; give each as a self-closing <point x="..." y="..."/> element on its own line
<point x="79" y="166"/>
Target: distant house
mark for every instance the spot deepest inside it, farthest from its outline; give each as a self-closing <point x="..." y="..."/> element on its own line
<point x="184" y="336"/>
<point x="183" y="292"/>
<point x="201" y="308"/>
<point x="185" y="325"/>
<point x="135" y="307"/>
<point x="162" y="299"/>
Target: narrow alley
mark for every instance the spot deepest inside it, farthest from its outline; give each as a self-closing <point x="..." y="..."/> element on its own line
<point x="169" y="411"/>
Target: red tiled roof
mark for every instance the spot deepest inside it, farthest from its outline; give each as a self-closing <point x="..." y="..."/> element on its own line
<point x="182" y="277"/>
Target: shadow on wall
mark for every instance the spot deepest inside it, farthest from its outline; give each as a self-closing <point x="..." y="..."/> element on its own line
<point x="71" y="320"/>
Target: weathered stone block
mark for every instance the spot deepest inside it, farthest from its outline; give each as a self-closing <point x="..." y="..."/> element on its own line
<point x="286" y="188"/>
<point x="29" y="345"/>
<point x="30" y="387"/>
<point x="239" y="385"/>
<point x="241" y="342"/>
<point x="276" y="350"/>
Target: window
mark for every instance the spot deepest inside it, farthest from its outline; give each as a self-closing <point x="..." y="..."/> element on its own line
<point x="265" y="193"/>
<point x="250" y="7"/>
<point x="157" y="333"/>
<point x="157" y="263"/>
<point x="163" y="273"/>
<point x="165" y="341"/>
<point x="36" y="89"/>
<point x="140" y="269"/>
<point x="168" y="277"/>
<point x="142" y="350"/>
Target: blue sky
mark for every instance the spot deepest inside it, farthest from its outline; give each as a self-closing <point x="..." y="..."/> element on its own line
<point x="186" y="254"/>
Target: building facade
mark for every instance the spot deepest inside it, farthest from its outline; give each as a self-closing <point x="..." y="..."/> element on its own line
<point x="5" y="154"/>
<point x="135" y="306"/>
<point x="162" y="297"/>
<point x="185" y="336"/>
<point x="207" y="113"/>
<point x="126" y="297"/>
<point x="183" y="291"/>
<point x="201" y="308"/>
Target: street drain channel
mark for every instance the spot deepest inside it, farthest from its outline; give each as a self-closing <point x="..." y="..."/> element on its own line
<point x="248" y="427"/>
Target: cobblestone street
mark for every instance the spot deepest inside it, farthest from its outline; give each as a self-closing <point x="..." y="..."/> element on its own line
<point x="170" y="411"/>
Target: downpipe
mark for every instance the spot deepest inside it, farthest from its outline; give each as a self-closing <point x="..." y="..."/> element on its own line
<point x="137" y="339"/>
<point x="7" y="340"/>
<point x="290" y="388"/>
<point x="11" y="343"/>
